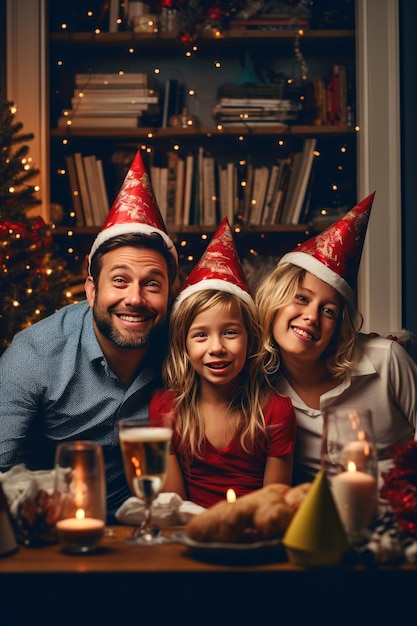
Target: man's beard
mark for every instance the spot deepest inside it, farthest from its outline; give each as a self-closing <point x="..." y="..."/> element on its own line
<point x="127" y="341"/>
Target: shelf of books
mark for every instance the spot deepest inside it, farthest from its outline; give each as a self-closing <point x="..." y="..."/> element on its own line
<point x="200" y="184"/>
<point x="255" y="121"/>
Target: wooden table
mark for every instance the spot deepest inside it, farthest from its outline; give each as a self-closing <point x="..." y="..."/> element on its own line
<point x="169" y="585"/>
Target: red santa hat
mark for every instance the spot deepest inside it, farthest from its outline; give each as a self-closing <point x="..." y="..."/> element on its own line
<point x="218" y="268"/>
<point x="135" y="210"/>
<point x="334" y="255"/>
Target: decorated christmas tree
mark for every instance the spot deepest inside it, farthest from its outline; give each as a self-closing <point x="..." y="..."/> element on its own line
<point x="33" y="280"/>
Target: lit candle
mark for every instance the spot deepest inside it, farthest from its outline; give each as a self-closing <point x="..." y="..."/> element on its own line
<point x="231" y="495"/>
<point x="354" y="493"/>
<point x="79" y="533"/>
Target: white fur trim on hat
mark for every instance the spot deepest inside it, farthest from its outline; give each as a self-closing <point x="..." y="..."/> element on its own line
<point x="214" y="283"/>
<point x="125" y="229"/>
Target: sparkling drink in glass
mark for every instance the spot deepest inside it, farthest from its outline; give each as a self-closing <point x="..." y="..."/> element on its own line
<point x="145" y="450"/>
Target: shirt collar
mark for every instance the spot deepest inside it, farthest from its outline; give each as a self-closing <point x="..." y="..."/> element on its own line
<point x="363" y="367"/>
<point x="89" y="340"/>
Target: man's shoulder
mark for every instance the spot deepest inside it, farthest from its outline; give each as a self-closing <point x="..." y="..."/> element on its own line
<point x="68" y="321"/>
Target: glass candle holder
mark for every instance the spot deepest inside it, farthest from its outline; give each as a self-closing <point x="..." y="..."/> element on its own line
<point x="349" y="459"/>
<point x="80" y="493"/>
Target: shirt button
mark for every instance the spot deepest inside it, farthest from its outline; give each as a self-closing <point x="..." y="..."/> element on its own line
<point x="103" y="363"/>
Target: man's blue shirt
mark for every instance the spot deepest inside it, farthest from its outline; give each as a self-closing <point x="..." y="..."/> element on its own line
<point x="55" y="383"/>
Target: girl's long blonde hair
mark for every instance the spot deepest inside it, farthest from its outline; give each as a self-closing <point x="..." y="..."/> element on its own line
<point x="278" y="289"/>
<point x="179" y="375"/>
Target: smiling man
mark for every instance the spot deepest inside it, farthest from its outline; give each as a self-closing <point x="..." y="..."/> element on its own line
<point x="74" y="374"/>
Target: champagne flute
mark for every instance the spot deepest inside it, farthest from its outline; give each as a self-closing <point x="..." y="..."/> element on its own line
<point x="145" y="450"/>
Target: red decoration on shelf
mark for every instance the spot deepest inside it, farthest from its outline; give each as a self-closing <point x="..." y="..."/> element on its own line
<point x="194" y="17"/>
<point x="400" y="486"/>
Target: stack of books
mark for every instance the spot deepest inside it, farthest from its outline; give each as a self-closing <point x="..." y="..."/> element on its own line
<point x="254" y="105"/>
<point x="269" y="22"/>
<point x="275" y="16"/>
<point x="109" y="100"/>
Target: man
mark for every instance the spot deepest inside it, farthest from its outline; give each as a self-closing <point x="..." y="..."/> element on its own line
<point x="74" y="374"/>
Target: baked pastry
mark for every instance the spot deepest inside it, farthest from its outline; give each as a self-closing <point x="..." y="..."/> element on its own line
<point x="264" y="513"/>
<point x="296" y="495"/>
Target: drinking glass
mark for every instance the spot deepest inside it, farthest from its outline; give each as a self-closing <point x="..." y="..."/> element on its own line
<point x="349" y="459"/>
<point x="145" y="450"/>
<point x="80" y="495"/>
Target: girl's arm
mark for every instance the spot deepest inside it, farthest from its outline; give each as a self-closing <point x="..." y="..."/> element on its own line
<point x="174" y="481"/>
<point x="278" y="469"/>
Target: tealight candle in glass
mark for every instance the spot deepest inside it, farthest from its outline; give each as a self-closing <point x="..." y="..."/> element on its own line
<point x="80" y="493"/>
<point x="349" y="459"/>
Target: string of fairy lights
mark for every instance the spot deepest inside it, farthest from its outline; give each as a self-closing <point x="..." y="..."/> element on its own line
<point x="190" y="51"/>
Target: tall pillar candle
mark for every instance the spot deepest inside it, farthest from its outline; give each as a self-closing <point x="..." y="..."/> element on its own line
<point x="354" y="493"/>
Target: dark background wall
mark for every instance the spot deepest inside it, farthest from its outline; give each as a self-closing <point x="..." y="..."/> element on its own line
<point x="408" y="82"/>
<point x="2" y="49"/>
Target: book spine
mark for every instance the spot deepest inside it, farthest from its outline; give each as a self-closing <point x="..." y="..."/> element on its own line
<point x="188" y="184"/>
<point x="200" y="211"/>
<point x="114" y="12"/>
<point x="320" y="100"/>
<point x="170" y="106"/>
<point x="85" y="196"/>
<point x="155" y="176"/>
<point x="123" y="96"/>
<point x="247" y="196"/>
<point x="209" y="191"/>
<point x="163" y="192"/>
<point x="103" y="110"/>
<point x="260" y="182"/>
<point x="179" y="193"/>
<point x="222" y="190"/>
<point x="282" y="184"/>
<point x="286" y="217"/>
<point x="98" y="122"/>
<point x="273" y="178"/>
<point x="231" y="191"/>
<point x="343" y="104"/>
<point x="302" y="182"/>
<point x="108" y="78"/>
<point x="172" y="160"/>
<point x="91" y="176"/>
<point x="104" y="198"/>
<point x="75" y="190"/>
<point x="336" y="95"/>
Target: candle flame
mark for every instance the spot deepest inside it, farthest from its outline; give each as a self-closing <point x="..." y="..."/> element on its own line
<point x="231" y="495"/>
<point x="80" y="514"/>
<point x="351" y="466"/>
